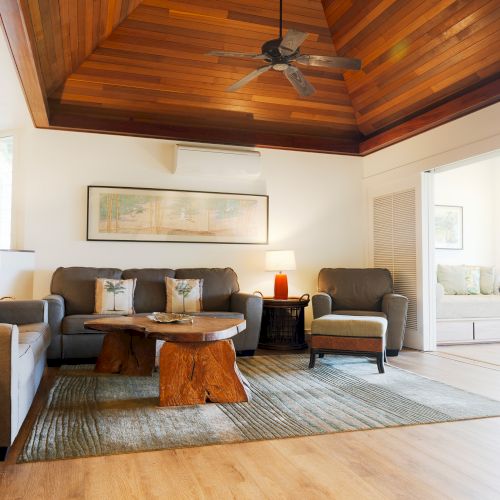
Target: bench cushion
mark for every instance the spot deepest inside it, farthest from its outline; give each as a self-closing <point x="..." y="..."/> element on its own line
<point x="349" y="326"/>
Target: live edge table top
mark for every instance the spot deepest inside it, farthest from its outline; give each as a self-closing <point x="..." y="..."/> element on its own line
<point x="202" y="329"/>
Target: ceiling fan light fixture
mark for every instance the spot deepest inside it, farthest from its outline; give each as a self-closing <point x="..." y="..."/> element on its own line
<point x="280" y="66"/>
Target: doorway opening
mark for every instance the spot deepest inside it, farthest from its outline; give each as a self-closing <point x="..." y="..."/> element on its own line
<point x="462" y="227"/>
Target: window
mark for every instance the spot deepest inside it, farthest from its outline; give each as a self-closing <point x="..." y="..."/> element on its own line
<point x="6" y="144"/>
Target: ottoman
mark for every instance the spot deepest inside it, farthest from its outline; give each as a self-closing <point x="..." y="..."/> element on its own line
<point x="354" y="335"/>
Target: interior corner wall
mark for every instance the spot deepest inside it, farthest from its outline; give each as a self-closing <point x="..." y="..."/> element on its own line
<point x="314" y="208"/>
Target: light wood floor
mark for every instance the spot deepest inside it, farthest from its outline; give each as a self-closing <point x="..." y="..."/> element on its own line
<point x="452" y="460"/>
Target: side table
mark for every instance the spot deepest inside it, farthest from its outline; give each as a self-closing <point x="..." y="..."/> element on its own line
<point x="283" y="323"/>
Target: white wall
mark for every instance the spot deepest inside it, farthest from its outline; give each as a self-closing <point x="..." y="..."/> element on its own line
<point x="314" y="208"/>
<point x="472" y="187"/>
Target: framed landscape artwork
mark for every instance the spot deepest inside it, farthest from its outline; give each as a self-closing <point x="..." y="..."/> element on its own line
<point x="138" y="214"/>
<point x="448" y="227"/>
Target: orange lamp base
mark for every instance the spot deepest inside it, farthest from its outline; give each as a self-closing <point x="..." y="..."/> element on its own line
<point x="281" y="287"/>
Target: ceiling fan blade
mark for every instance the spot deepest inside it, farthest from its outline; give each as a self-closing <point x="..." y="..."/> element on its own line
<point x="331" y="62"/>
<point x="241" y="55"/>
<point x="248" y="78"/>
<point x="292" y="41"/>
<point x="297" y="79"/>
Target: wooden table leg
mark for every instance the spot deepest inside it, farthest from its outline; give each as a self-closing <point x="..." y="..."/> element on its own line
<point x="126" y="354"/>
<point x="197" y="372"/>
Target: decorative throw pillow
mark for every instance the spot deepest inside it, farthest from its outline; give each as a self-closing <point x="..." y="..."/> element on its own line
<point x="472" y="279"/>
<point x="114" y="296"/>
<point x="184" y="296"/>
<point x="487" y="280"/>
<point x="453" y="279"/>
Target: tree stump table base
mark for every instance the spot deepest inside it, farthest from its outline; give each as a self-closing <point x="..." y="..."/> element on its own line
<point x="195" y="372"/>
<point x="126" y="354"/>
<point x="197" y="361"/>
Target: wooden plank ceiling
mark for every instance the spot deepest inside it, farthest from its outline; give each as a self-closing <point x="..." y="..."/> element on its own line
<point x="140" y="67"/>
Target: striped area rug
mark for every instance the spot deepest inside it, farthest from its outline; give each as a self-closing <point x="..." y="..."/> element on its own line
<point x="89" y="414"/>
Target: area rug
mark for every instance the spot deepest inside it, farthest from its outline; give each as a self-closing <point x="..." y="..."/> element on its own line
<point x="87" y="414"/>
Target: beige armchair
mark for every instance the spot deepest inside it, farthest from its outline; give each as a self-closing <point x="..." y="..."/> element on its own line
<point x="363" y="292"/>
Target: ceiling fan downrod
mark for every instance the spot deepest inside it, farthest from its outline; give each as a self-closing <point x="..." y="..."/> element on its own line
<point x="281" y="19"/>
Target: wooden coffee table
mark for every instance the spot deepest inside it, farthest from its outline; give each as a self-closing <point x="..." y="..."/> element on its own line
<point x="197" y="361"/>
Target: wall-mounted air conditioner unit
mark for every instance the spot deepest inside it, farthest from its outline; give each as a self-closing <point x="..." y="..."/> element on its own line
<point x="202" y="161"/>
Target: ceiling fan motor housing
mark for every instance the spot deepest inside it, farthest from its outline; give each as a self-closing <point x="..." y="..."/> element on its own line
<point x="271" y="49"/>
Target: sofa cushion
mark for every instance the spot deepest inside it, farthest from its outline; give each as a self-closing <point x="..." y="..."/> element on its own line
<point x="72" y="325"/>
<point x="36" y="335"/>
<point x="22" y="350"/>
<point x="220" y="314"/>
<point x="468" y="306"/>
<point x="77" y="286"/>
<point x="218" y="286"/>
<point x="150" y="288"/>
<point x="357" y="289"/>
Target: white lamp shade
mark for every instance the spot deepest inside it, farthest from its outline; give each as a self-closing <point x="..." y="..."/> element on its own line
<point x="16" y="274"/>
<point x="280" y="260"/>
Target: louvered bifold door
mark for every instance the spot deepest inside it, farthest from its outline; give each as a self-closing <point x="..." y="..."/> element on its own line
<point x="394" y="245"/>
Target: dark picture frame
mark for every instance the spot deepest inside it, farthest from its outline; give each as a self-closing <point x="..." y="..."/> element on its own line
<point x="116" y="213"/>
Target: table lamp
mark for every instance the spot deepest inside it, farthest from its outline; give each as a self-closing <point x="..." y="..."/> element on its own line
<point x="280" y="260"/>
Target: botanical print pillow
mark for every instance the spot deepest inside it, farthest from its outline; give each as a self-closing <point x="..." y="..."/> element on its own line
<point x="184" y="296"/>
<point x="114" y="296"/>
<point x="472" y="280"/>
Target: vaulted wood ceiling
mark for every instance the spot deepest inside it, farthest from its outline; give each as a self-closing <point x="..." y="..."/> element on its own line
<point x="140" y="67"/>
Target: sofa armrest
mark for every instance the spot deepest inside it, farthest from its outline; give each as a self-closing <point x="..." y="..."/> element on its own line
<point x="321" y="304"/>
<point x="395" y="307"/>
<point x="9" y="405"/>
<point x="56" y="314"/>
<point x="251" y="307"/>
<point x="23" y="312"/>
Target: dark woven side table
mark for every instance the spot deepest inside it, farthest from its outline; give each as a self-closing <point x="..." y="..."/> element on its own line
<point x="283" y="323"/>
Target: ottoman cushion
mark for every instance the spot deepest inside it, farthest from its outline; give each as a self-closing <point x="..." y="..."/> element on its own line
<point x="349" y="326"/>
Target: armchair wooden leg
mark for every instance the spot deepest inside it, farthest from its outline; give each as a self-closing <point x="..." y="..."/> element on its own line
<point x="312" y="359"/>
<point x="385" y="356"/>
<point x="321" y="355"/>
<point x="380" y="362"/>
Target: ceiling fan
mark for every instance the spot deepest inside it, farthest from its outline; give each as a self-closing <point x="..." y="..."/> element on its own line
<point x="279" y="55"/>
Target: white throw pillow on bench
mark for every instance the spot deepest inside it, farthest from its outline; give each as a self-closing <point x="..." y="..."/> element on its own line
<point x="453" y="279"/>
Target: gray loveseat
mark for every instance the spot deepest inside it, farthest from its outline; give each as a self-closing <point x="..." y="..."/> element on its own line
<point x="71" y="303"/>
<point x="24" y="338"/>
<point x="363" y="292"/>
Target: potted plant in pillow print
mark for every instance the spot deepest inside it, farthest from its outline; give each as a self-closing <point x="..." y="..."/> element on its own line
<point x="115" y="289"/>
<point x="183" y="288"/>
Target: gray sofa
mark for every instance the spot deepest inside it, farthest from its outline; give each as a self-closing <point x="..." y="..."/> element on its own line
<point x="24" y="339"/>
<point x="71" y="303"/>
<point x="363" y="292"/>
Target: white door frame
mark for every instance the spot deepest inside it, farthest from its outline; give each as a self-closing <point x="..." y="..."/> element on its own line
<point x="428" y="261"/>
